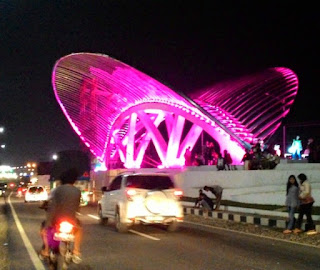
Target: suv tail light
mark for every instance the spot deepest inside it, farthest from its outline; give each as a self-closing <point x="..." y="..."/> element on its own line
<point x="130" y="193"/>
<point x="178" y="192"/>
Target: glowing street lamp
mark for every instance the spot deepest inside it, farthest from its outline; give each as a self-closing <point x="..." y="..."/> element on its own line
<point x="3" y="146"/>
<point x="54" y="156"/>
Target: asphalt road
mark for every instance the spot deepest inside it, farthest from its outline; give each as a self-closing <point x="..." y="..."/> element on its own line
<point x="194" y="246"/>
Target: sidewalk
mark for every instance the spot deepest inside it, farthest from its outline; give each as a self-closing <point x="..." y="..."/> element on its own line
<point x="275" y="219"/>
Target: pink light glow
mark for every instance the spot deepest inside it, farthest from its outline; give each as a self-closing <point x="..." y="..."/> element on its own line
<point x="117" y="110"/>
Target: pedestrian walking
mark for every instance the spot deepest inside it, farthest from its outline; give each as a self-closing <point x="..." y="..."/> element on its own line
<point x="217" y="191"/>
<point x="306" y="203"/>
<point x="292" y="202"/>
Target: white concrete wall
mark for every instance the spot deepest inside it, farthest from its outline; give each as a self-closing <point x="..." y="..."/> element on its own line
<point x="256" y="186"/>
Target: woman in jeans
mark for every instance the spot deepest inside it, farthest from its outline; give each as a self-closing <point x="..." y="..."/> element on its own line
<point x="306" y="203"/>
<point x="292" y="201"/>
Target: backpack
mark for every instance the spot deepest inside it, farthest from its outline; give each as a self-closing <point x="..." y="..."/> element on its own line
<point x="220" y="163"/>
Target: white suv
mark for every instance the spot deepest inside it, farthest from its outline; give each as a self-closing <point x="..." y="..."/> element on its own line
<point x="146" y="198"/>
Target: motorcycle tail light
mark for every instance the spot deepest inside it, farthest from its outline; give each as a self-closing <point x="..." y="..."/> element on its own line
<point x="65" y="227"/>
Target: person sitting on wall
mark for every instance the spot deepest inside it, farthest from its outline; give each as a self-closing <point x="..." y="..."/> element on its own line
<point x="198" y="161"/>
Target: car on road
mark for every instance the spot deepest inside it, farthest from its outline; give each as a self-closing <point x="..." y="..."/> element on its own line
<point x="36" y="194"/>
<point x="141" y="198"/>
<point x="21" y="191"/>
<point x="3" y="188"/>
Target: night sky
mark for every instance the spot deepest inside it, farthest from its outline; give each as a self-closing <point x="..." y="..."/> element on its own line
<point x="184" y="46"/>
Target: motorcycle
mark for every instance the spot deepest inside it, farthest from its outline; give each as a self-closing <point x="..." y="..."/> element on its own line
<point x="60" y="239"/>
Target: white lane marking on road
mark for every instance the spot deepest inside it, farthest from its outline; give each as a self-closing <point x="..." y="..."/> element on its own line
<point x="251" y="234"/>
<point x="32" y="253"/>
<point x="144" y="235"/>
<point x="132" y="231"/>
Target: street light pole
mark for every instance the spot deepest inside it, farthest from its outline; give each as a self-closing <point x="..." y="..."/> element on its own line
<point x="202" y="153"/>
<point x="3" y="146"/>
<point x="284" y="135"/>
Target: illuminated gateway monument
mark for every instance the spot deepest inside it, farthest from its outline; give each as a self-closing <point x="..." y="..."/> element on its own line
<point x="119" y="111"/>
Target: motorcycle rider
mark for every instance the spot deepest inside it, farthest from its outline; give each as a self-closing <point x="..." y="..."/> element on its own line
<point x="64" y="204"/>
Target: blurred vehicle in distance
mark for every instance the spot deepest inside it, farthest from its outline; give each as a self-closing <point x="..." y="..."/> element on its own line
<point x="21" y="191"/>
<point x="36" y="194"/>
<point x="3" y="188"/>
<point x="85" y="197"/>
<point x="86" y="193"/>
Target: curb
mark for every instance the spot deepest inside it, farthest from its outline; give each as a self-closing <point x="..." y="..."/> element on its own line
<point x="273" y="222"/>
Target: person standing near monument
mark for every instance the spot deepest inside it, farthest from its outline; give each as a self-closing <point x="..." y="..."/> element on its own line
<point x="292" y="201"/>
<point x="188" y="156"/>
<point x="306" y="203"/>
<point x="296" y="148"/>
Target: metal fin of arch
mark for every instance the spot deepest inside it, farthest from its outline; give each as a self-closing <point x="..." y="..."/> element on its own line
<point x="118" y="111"/>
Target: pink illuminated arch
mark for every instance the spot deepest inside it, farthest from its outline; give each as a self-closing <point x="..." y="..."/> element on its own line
<point x="117" y="110"/>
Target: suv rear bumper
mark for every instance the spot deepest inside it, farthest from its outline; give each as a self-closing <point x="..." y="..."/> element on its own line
<point x="155" y="220"/>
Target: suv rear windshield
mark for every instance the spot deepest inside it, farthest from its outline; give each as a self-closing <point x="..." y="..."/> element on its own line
<point x="35" y="189"/>
<point x="149" y="182"/>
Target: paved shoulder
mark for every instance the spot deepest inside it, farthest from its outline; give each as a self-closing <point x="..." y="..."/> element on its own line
<point x="4" y="256"/>
<point x="264" y="231"/>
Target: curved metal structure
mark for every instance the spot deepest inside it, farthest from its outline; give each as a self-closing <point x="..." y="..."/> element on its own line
<point x="119" y="111"/>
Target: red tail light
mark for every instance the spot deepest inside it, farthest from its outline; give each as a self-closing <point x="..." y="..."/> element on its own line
<point x="130" y="193"/>
<point x="65" y="227"/>
<point x="178" y="193"/>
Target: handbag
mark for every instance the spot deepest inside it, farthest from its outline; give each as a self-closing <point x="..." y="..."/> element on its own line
<point x="306" y="200"/>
